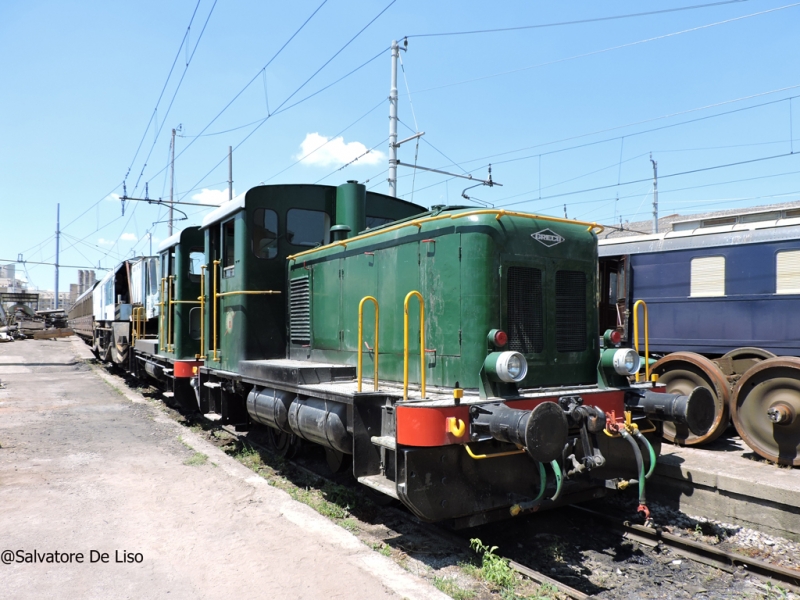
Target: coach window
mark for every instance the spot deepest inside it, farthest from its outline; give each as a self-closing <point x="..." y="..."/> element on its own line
<point x="152" y="271"/>
<point x="265" y="233"/>
<point x="707" y="277"/>
<point x="227" y="248"/>
<point x="787" y="272"/>
<point x="307" y="228"/>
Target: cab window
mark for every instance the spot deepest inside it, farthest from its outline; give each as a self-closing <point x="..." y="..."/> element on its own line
<point x="227" y="249"/>
<point x="265" y="233"/>
<point x="308" y="228"/>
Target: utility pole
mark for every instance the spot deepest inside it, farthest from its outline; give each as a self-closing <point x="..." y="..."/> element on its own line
<point x="58" y="240"/>
<point x="655" y="194"/>
<point x="230" y="173"/>
<point x="171" y="178"/>
<point x="393" y="122"/>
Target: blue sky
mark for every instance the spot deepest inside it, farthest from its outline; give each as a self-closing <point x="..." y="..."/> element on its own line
<point x="565" y="114"/>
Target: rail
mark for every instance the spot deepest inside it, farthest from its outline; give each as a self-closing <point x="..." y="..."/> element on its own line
<point x="161" y="329"/>
<point x="170" y="286"/>
<point x="699" y="551"/>
<point x="136" y="316"/>
<point x="248" y="293"/>
<point x="646" y="337"/>
<point x="499" y="213"/>
<point x="214" y="343"/>
<point x="218" y="295"/>
<point x="202" y="300"/>
<point x="418" y="296"/>
<point x="361" y="341"/>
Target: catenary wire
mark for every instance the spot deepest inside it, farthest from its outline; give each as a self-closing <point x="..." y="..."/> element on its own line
<point x="576" y="22"/>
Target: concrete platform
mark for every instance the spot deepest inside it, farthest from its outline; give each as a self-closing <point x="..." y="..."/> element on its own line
<point x="87" y="464"/>
<point x="727" y="481"/>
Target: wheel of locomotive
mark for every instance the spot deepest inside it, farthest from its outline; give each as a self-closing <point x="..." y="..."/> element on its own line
<point x="284" y="444"/>
<point x="681" y="372"/>
<point x="765" y="408"/>
<point x="338" y="462"/>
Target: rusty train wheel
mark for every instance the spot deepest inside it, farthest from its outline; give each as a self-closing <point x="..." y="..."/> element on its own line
<point x="765" y="408"/>
<point x="738" y="362"/>
<point x="681" y="372"/>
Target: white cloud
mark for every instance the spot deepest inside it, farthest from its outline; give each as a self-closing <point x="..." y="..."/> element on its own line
<point x="104" y="242"/>
<point x="212" y="197"/>
<point x="128" y="237"/>
<point x="112" y="198"/>
<point x="333" y="152"/>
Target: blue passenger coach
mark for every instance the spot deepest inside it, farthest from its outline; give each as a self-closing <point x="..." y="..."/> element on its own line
<point x="723" y="298"/>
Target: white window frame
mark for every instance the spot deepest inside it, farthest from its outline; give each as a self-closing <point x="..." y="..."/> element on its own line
<point x="707" y="277"/>
<point x="787" y="272"/>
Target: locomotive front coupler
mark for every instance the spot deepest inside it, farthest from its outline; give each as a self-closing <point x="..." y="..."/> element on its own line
<point x="543" y="431"/>
<point x="696" y="410"/>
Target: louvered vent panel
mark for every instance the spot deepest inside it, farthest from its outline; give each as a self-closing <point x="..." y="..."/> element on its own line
<point x="571" y="330"/>
<point x="787" y="280"/>
<point x="525" y="314"/>
<point x="708" y="276"/>
<point x="300" y="311"/>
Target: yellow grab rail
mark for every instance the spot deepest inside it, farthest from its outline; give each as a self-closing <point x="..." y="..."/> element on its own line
<point x="170" y="285"/>
<point x="496" y="455"/>
<point x="499" y="212"/>
<point x="361" y="340"/>
<point x="161" y="329"/>
<point x="646" y="337"/>
<point x="421" y="343"/>
<point x="202" y="300"/>
<point x="248" y="293"/>
<point x="216" y="268"/>
<point x="135" y="319"/>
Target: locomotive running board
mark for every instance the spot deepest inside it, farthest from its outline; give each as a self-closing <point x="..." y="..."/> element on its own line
<point x="380" y="484"/>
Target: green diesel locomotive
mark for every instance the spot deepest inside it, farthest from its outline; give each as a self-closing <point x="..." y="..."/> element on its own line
<point x="450" y="355"/>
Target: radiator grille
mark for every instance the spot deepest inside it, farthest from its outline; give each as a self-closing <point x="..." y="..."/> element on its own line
<point x="525" y="313"/>
<point x="300" y="311"/>
<point x="570" y="311"/>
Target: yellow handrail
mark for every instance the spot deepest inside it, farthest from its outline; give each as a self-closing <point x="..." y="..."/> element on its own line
<point x="134" y="319"/>
<point x="421" y="343"/>
<point x="202" y="300"/>
<point x="361" y="340"/>
<point x="646" y="337"/>
<point x="246" y="293"/>
<point x="216" y="268"/>
<point x="499" y="212"/>
<point x="161" y="305"/>
<point x="496" y="455"/>
<point x="170" y="285"/>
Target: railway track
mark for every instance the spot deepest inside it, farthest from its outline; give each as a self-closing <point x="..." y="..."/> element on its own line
<point x="647" y="536"/>
<point x="699" y="551"/>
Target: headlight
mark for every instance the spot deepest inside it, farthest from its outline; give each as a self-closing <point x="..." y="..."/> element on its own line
<point x="626" y="361"/>
<point x="510" y="367"/>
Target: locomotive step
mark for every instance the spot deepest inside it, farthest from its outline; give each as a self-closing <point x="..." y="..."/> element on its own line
<point x="381" y="484"/>
<point x="386" y="441"/>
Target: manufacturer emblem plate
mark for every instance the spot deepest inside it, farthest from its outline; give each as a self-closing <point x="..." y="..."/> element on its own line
<point x="547" y="237"/>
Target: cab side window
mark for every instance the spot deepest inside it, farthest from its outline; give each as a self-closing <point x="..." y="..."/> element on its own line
<point x="308" y="228"/>
<point x="265" y="233"/>
<point x="228" y="253"/>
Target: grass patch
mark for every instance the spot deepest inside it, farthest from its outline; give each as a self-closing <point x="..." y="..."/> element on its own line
<point x="196" y="459"/>
<point x="494" y="569"/>
<point x="452" y="589"/>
